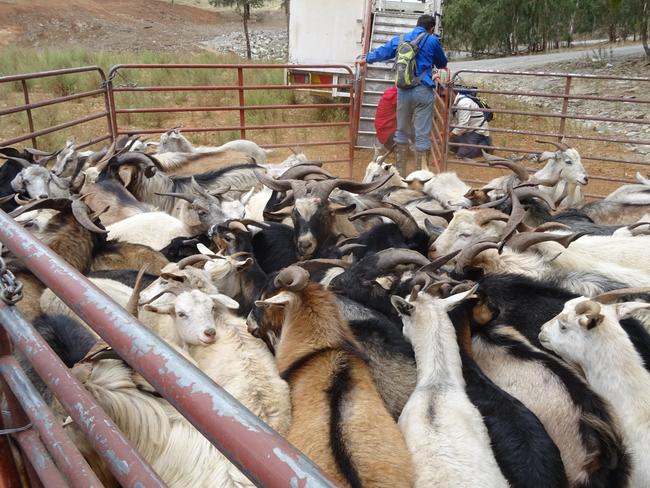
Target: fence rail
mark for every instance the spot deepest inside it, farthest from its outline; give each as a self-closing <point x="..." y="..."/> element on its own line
<point x="516" y="127"/>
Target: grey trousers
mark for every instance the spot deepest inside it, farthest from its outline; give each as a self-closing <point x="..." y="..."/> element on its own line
<point x="414" y="114"/>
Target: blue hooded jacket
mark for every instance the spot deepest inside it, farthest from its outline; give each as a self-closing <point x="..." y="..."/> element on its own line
<point x="429" y="55"/>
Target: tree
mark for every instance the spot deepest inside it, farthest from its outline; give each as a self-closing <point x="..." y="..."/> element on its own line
<point x="243" y="8"/>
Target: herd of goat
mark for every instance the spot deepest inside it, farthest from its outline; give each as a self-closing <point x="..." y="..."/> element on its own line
<point x="399" y="331"/>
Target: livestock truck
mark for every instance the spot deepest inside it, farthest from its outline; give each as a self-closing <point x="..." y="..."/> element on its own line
<point x="336" y="31"/>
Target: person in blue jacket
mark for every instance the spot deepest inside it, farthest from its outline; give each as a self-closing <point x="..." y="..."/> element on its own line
<point x="415" y="105"/>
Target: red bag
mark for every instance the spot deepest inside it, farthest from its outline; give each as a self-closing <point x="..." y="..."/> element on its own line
<point x="386" y="115"/>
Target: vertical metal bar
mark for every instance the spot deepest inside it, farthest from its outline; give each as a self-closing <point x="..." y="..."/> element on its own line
<point x="65" y="454"/>
<point x="352" y="116"/>
<point x="242" y="102"/>
<point x="111" y="101"/>
<point x="30" y="120"/>
<point x="565" y="106"/>
<point x="258" y="451"/>
<point x="110" y="109"/>
<point x="9" y="477"/>
<point x="449" y="103"/>
<point x="123" y="461"/>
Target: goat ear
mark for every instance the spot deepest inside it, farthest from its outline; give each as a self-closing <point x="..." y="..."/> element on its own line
<point x="17" y="184"/>
<point x="590" y="321"/>
<point x="203" y="249"/>
<point x="454" y="300"/>
<point x="626" y="308"/>
<point x="244" y="265"/>
<point x="245" y="198"/>
<point x="403" y="307"/>
<point x="545" y="156"/>
<point x="226" y="301"/>
<point x="282" y="299"/>
<point x="125" y="174"/>
<point x="343" y="210"/>
<point x="162" y="309"/>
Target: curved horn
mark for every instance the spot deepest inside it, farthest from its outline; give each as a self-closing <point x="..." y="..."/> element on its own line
<point x="185" y="196"/>
<point x="324" y="188"/>
<point x="612" y="296"/>
<point x="528" y="192"/>
<point x="277" y="185"/>
<point x="518" y="169"/>
<point x="218" y="191"/>
<point x="448" y="215"/>
<point x="406" y="225"/>
<point x="22" y="201"/>
<point x="132" y="304"/>
<point x="255" y="223"/>
<point x="546" y="226"/>
<point x="561" y="146"/>
<point x="517" y="214"/>
<point x="237" y="225"/>
<point x="299" y="171"/>
<point x="390" y="258"/>
<point x="6" y="198"/>
<point x="439" y="262"/>
<point x="467" y="255"/>
<point x="192" y="260"/>
<point x="549" y="182"/>
<point x="293" y="278"/>
<point x="522" y="241"/>
<point x="80" y="212"/>
<point x="314" y="265"/>
<point x="348" y="248"/>
<point x="485" y="215"/>
<point x="59" y="204"/>
<point x="23" y="162"/>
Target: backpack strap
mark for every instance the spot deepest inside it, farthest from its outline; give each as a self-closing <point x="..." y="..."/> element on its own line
<point x="416" y="49"/>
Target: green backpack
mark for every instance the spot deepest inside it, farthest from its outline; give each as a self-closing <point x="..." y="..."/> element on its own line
<point x="405" y="67"/>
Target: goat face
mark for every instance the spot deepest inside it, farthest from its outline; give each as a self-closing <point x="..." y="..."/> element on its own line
<point x="39" y="183"/>
<point x="567" y="164"/>
<point x="64" y="157"/>
<point x="465" y="228"/>
<point x="173" y="141"/>
<point x="311" y="218"/>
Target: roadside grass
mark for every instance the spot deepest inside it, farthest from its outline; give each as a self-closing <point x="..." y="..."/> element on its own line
<point x="14" y="60"/>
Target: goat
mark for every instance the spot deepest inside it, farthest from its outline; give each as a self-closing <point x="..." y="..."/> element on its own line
<point x="445" y="433"/>
<point x="635" y="194"/>
<point x="339" y="419"/>
<point x="153" y="229"/>
<point x="123" y="255"/>
<point x="577" y="419"/>
<point x="156" y="430"/>
<point x="222" y="348"/>
<point x="588" y="332"/>
<point x="38" y="182"/>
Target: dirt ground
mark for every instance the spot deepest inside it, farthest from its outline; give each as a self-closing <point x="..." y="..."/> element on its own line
<point x="117" y="25"/>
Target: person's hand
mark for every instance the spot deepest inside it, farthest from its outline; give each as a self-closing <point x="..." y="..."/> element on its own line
<point x="361" y="60"/>
<point x="436" y="76"/>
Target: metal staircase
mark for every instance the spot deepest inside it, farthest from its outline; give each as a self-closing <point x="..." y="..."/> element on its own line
<point x="391" y="18"/>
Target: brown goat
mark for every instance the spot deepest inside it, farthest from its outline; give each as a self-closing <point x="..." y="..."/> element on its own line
<point x="339" y="419"/>
<point x="124" y="255"/>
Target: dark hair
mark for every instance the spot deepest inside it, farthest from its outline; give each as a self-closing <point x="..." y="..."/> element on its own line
<point x="427" y="21"/>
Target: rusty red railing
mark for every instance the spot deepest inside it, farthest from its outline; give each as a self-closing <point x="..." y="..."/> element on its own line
<point x="241" y="105"/>
<point x="259" y="452"/>
<point x="29" y="107"/>
<point x="605" y="156"/>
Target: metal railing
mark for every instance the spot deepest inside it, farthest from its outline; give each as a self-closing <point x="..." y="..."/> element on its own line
<point x="516" y="126"/>
<point x="28" y="107"/>
<point x="260" y="453"/>
<point x="240" y="105"/>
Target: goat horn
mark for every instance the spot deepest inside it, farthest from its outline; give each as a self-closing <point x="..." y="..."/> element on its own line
<point x="255" y="223"/>
<point x="6" y="198"/>
<point x="549" y="182"/>
<point x="59" y="204"/>
<point x="80" y="212"/>
<point x="468" y="254"/>
<point x="637" y="224"/>
<point x="561" y="146"/>
<point x="390" y="258"/>
<point x="612" y="296"/>
<point x="299" y="171"/>
<point x="531" y="192"/>
<point x="21" y="201"/>
<point x="518" y="169"/>
<point x="407" y="226"/>
<point x="517" y="214"/>
<point x="132" y="305"/>
<point x="174" y="290"/>
<point x="324" y="188"/>
<point x="314" y="265"/>
<point x="277" y="185"/>
<point x="192" y="260"/>
<point x="522" y="241"/>
<point x="433" y="230"/>
<point x="185" y="196"/>
<point x="220" y="191"/>
<point x="493" y="203"/>
<point x="293" y="278"/>
<point x="237" y="225"/>
<point x="438" y="263"/>
<point x="23" y="162"/>
<point x="416" y="289"/>
<point x="348" y="248"/>
<point x="551" y="226"/>
<point x="485" y="215"/>
<point x="589" y="307"/>
<point x="445" y="214"/>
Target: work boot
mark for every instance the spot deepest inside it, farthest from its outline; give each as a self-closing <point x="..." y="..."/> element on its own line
<point x="422" y="160"/>
<point x="401" y="153"/>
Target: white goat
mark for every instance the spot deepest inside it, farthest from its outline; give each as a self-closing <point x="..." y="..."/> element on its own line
<point x="444" y="431"/>
<point x="589" y="334"/>
<point x="449" y="190"/>
<point x="153" y="229"/>
<point x="223" y="349"/>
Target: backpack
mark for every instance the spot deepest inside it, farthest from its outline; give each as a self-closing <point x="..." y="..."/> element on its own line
<point x="405" y="67"/>
<point x="472" y="94"/>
